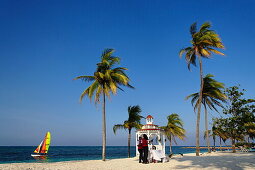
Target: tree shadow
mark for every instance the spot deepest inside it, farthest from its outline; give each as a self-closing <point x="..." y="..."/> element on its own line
<point x="237" y="161"/>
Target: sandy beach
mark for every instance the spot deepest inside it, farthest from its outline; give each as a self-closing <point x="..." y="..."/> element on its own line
<point x="188" y="161"/>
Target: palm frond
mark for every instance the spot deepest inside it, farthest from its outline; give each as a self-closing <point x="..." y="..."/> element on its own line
<point x="215" y="51"/>
<point x="98" y="94"/>
<point x="117" y="127"/>
<point x="204" y="27"/>
<point x="184" y="50"/>
<point x="84" y="93"/>
<point x="134" y="114"/>
<point x="85" y="78"/>
<point x="174" y="127"/>
<point x="92" y="89"/>
<point x="205" y="53"/>
<point x="193" y="28"/>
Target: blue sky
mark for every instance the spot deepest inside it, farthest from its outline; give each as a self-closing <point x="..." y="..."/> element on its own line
<point x="45" y="44"/>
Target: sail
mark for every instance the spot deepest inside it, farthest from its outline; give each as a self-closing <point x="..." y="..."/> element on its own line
<point x="37" y="150"/>
<point x="44" y="145"/>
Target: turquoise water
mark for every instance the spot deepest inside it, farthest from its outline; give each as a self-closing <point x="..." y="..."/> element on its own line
<point x="17" y="154"/>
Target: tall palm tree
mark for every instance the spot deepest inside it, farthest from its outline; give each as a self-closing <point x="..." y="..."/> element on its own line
<point x="133" y="121"/>
<point x="212" y="96"/>
<point x="202" y="46"/>
<point x="173" y="129"/>
<point x="105" y="81"/>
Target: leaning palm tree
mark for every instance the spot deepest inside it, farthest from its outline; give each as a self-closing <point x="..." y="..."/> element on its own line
<point x="105" y="81"/>
<point x="173" y="129"/>
<point x="222" y="135"/>
<point x="203" y="43"/>
<point x="219" y="131"/>
<point x="212" y="96"/>
<point x="133" y="121"/>
<point x="214" y="133"/>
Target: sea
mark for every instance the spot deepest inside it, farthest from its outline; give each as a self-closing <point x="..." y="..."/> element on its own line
<point x="19" y="154"/>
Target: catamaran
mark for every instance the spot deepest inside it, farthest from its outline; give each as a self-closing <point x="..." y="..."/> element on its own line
<point x="43" y="148"/>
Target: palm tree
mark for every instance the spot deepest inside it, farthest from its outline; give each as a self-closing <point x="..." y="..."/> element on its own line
<point x="174" y="128"/>
<point x="105" y="81"/>
<point x="133" y="121"/>
<point x="212" y="96"/>
<point x="219" y="130"/>
<point x="210" y="134"/>
<point x="216" y="131"/>
<point x="203" y="43"/>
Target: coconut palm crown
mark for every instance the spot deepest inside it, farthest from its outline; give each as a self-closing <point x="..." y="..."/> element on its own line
<point x="212" y="94"/>
<point x="204" y="41"/>
<point x="173" y="129"/>
<point x="106" y="79"/>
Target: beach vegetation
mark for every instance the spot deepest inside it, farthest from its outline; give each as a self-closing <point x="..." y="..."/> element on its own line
<point x="240" y="112"/>
<point x="239" y="119"/>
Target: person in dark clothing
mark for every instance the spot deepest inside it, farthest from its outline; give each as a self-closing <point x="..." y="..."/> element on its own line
<point x="140" y="149"/>
<point x="145" y="149"/>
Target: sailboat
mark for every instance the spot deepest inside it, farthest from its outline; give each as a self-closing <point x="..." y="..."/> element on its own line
<point x="43" y="148"/>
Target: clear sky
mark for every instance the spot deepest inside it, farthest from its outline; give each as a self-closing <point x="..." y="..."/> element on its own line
<point x="44" y="44"/>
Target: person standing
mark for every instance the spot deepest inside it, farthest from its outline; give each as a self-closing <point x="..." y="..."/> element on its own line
<point x="140" y="149"/>
<point x="145" y="149"/>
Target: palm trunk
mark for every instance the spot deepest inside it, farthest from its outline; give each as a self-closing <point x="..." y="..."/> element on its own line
<point x="199" y="106"/>
<point x="214" y="141"/>
<point x="233" y="146"/>
<point x="171" y="152"/>
<point x="206" y="129"/>
<point x="103" y="130"/>
<point x="129" y="139"/>
<point x="220" y="144"/>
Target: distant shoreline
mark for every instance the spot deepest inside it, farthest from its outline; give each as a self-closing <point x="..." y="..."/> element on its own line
<point x="205" y="147"/>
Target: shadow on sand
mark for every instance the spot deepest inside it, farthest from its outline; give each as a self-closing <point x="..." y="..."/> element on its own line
<point x="235" y="161"/>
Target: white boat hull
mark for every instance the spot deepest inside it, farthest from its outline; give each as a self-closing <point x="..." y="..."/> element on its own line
<point x="37" y="155"/>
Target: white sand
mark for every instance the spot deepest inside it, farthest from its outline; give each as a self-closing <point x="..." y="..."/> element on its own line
<point x="188" y="161"/>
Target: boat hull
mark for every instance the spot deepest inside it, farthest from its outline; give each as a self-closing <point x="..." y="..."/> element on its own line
<point x="34" y="155"/>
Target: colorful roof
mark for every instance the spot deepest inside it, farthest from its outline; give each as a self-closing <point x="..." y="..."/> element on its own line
<point x="149" y="116"/>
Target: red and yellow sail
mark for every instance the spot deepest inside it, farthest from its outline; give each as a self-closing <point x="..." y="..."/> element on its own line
<point x="44" y="145"/>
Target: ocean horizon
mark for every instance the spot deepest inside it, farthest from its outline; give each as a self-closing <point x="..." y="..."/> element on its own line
<point x="21" y="154"/>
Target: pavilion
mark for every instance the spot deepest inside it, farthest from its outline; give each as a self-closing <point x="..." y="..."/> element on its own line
<point x="154" y="133"/>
